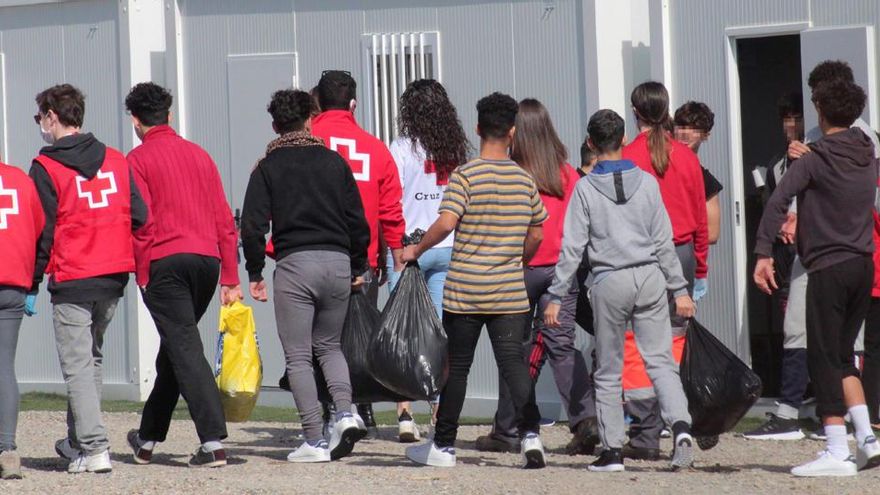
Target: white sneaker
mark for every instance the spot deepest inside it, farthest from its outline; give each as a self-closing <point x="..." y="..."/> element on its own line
<point x="683" y="452"/>
<point x="342" y="439"/>
<point x="428" y="454"/>
<point x="532" y="452"/>
<point x="407" y="429"/>
<point x="309" y="453"/>
<point x="868" y="453"/>
<point x="826" y="465"/>
<point x="95" y="463"/>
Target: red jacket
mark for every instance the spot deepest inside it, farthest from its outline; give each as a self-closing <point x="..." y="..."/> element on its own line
<point x="683" y="192"/>
<point x="21" y="222"/>
<point x="93" y="220"/>
<point x="189" y="212"/>
<point x="875" y="291"/>
<point x="375" y="173"/>
<point x="548" y="251"/>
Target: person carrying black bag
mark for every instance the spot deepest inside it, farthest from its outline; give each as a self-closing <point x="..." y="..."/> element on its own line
<point x="309" y="195"/>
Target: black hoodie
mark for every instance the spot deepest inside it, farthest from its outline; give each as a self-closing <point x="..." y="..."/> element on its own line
<point x="835" y="186"/>
<point x="85" y="154"/>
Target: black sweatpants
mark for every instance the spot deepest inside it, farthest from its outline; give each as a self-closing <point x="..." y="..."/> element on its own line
<point x="507" y="332"/>
<point x="838" y="299"/>
<point x="871" y="368"/>
<point x="180" y="289"/>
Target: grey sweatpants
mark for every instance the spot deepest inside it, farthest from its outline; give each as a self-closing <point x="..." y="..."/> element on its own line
<point x="11" y="311"/>
<point x="311" y="300"/>
<point x="79" y="337"/>
<point x="637" y="295"/>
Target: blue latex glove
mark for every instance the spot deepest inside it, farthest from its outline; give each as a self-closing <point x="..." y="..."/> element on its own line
<point x="30" y="304"/>
<point x="701" y="287"/>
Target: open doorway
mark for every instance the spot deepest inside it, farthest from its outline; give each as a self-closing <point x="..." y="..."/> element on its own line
<point x="768" y="68"/>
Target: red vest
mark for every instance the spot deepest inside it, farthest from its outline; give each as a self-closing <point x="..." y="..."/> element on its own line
<point x="93" y="223"/>
<point x="21" y="222"/>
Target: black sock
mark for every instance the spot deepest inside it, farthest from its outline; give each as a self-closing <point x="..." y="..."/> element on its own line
<point x="680" y="427"/>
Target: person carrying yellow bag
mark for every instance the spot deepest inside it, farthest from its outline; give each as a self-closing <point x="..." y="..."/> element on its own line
<point x="239" y="368"/>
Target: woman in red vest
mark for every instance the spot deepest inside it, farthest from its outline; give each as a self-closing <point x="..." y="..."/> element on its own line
<point x="21" y="221"/>
<point x="680" y="176"/>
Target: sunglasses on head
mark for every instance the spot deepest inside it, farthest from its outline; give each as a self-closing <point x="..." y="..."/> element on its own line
<point x="335" y="71"/>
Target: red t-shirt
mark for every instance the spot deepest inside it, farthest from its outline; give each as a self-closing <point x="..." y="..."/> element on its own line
<point x="683" y="192"/>
<point x="548" y="251"/>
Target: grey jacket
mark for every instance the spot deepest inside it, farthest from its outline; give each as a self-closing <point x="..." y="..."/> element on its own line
<point x="617" y="215"/>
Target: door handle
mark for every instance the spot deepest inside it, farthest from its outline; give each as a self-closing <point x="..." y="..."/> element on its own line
<point x="736" y="208"/>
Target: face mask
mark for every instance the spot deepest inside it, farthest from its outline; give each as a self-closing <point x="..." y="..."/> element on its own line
<point x="47" y="136"/>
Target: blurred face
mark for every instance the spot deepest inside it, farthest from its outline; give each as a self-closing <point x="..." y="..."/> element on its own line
<point x="793" y="127"/>
<point x="691" y="136"/>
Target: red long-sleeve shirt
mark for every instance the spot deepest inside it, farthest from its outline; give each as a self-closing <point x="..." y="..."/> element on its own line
<point x="375" y="173"/>
<point x="683" y="193"/>
<point x="548" y="252"/>
<point x="189" y="212"/>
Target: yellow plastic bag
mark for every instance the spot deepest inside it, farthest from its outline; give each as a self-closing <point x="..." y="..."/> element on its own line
<point x="239" y="370"/>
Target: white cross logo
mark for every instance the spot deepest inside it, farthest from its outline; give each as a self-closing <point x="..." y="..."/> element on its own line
<point x="7" y="206"/>
<point x="353" y="156"/>
<point x="103" y="185"/>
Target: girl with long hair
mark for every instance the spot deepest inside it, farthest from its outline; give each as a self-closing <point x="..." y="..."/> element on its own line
<point x="680" y="177"/>
<point x="538" y="149"/>
<point x="431" y="144"/>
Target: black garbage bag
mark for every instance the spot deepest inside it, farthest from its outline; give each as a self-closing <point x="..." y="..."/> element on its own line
<point x="408" y="353"/>
<point x="360" y="326"/>
<point x="720" y="388"/>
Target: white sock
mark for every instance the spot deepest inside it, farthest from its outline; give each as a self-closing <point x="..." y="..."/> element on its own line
<point x="836" y="441"/>
<point x="861" y="421"/>
<point x="147" y="445"/>
<point x="212" y="446"/>
<point x="784" y="411"/>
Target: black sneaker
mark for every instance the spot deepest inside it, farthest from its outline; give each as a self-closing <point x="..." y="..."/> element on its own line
<point x="365" y="411"/>
<point x="776" y="428"/>
<point x="491" y="443"/>
<point x="707" y="443"/>
<point x="609" y="461"/>
<point x="585" y="439"/>
<point x="141" y="455"/>
<point x="213" y="459"/>
<point x="640" y="453"/>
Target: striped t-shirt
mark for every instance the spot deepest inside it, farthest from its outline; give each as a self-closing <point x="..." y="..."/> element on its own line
<point x="496" y="202"/>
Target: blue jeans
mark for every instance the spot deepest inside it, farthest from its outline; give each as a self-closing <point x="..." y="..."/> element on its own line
<point x="434" y="264"/>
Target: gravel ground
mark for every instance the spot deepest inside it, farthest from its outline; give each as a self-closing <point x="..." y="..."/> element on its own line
<point x="257" y="452"/>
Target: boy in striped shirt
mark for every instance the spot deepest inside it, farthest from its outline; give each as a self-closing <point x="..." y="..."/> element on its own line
<point x="496" y="211"/>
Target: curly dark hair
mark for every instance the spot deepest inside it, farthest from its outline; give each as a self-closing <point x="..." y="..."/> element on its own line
<point x="839" y="101"/>
<point x="828" y="71"/>
<point x="496" y="115"/>
<point x="150" y="103"/>
<point x="429" y="118"/>
<point x="290" y="109"/>
<point x="695" y="115"/>
<point x="68" y="103"/>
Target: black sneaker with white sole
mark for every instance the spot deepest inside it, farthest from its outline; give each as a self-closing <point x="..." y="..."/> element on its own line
<point x="141" y="455"/>
<point x="213" y="459"/>
<point x="776" y="428"/>
<point x="609" y="461"/>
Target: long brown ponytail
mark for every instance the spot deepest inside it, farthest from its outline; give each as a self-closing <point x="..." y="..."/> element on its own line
<point x="651" y="103"/>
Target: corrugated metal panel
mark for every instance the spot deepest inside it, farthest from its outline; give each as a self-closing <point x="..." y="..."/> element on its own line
<point x="88" y="58"/>
<point x="555" y="80"/>
<point x="400" y="19"/>
<point x="699" y="73"/>
<point x="847" y="13"/>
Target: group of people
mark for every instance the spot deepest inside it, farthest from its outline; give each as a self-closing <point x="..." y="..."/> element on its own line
<point x="516" y="240"/>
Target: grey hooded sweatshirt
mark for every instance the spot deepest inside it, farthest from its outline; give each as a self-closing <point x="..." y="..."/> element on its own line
<point x="617" y="215"/>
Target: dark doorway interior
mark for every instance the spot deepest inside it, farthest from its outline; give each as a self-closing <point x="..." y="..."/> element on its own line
<point x="768" y="69"/>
